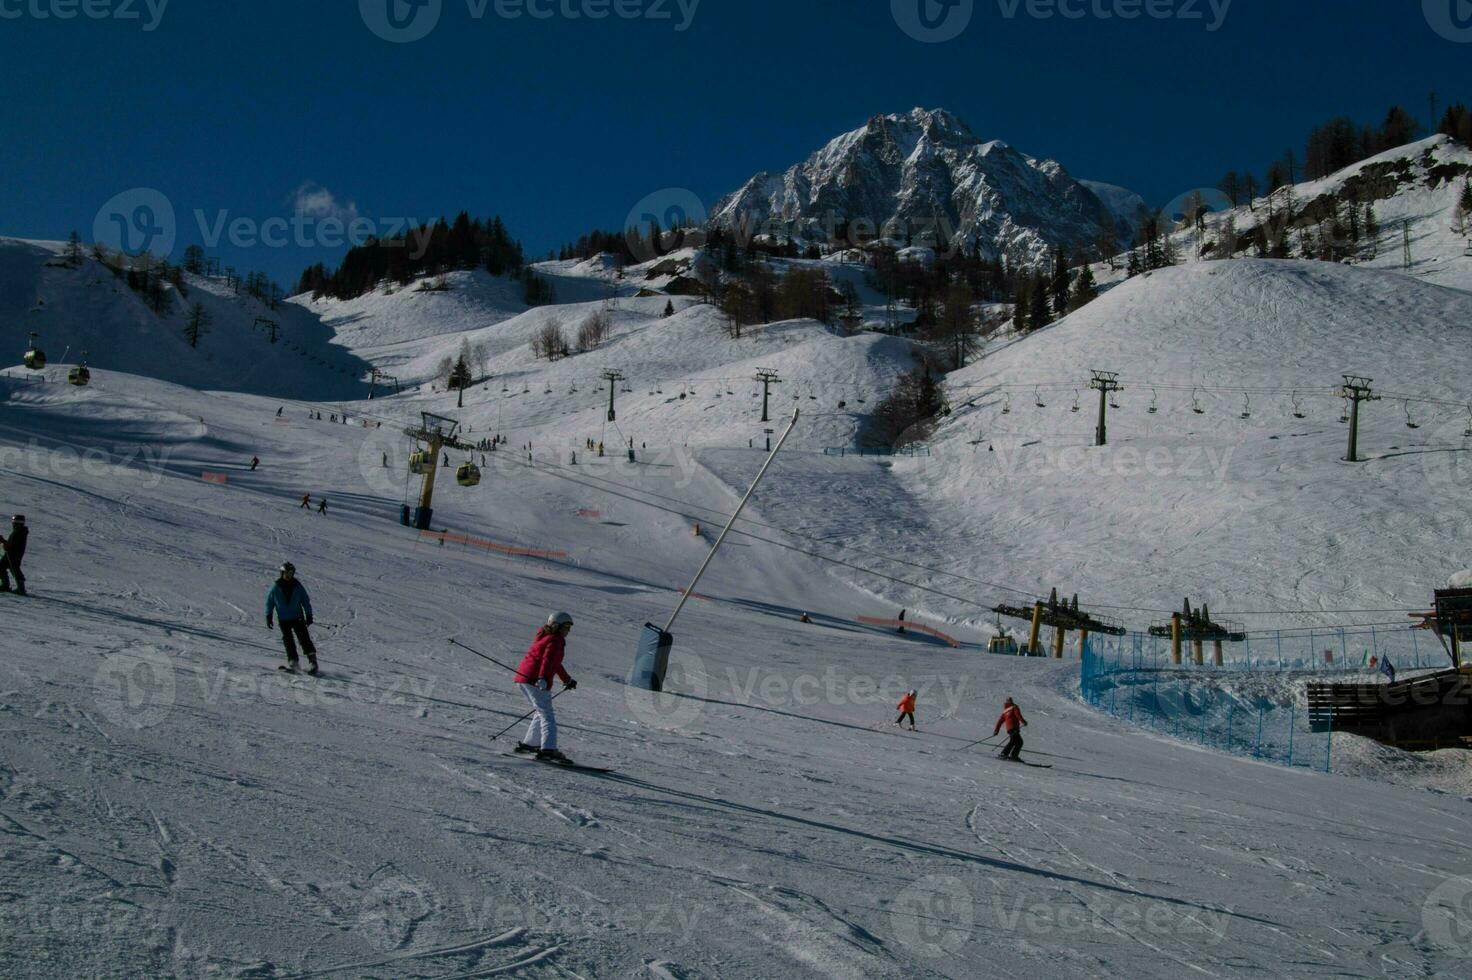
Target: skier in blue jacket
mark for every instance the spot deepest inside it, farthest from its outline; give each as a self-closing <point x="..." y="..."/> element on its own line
<point x="288" y="599"/>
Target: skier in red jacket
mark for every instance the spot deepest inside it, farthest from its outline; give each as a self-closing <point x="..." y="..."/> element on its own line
<point x="534" y="676"/>
<point x="1015" y="723"/>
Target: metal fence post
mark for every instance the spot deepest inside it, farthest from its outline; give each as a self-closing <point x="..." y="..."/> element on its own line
<point x="1292" y="724"/>
<point x="1257" y="749"/>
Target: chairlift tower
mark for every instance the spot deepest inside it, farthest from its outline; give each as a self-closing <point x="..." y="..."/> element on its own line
<point x="1355" y="390"/>
<point x="613" y="378"/>
<point x="767" y="377"/>
<point x="436" y="432"/>
<point x="1105" y="383"/>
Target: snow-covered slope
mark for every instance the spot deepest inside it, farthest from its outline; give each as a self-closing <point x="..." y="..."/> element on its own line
<point x="922" y="175"/>
<point x="169" y="798"/>
<point x="1413" y="189"/>
<point x="88" y="308"/>
<point x="1246" y="514"/>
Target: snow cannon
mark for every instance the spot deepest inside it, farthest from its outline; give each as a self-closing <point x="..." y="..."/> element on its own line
<point x="652" y="661"/>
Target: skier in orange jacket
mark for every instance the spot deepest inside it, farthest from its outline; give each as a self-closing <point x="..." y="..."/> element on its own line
<point x="1015" y="723"/>
<point x="907" y="710"/>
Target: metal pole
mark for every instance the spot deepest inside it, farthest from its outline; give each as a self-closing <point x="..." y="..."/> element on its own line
<point x="727" y="529"/>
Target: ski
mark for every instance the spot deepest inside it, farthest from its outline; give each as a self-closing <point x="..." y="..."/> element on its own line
<point x="575" y="766"/>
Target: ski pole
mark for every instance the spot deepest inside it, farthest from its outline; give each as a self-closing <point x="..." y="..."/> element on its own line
<point x="977" y="742"/>
<point x="455" y="642"/>
<point x="526" y="716"/>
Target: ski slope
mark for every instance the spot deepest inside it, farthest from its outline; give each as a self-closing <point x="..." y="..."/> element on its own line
<point x="170" y="805"/>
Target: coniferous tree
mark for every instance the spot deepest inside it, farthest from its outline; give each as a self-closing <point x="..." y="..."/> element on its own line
<point x="1085" y="290"/>
<point x="74" y="249"/>
<point x="197" y="325"/>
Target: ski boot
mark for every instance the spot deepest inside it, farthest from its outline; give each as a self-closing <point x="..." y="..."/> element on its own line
<point x="291" y="666"/>
<point x="523" y="749"/>
<point x="312" y="664"/>
<point x="553" y="756"/>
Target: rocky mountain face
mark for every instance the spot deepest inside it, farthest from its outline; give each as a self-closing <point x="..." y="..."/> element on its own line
<point x="924" y="178"/>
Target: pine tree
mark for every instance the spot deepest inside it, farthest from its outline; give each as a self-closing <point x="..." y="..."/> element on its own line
<point x="669" y="308"/>
<point x="1041" y="315"/>
<point x="194" y="260"/>
<point x="1060" y="280"/>
<point x="197" y="325"/>
<point x="1022" y="309"/>
<point x="1085" y="290"/>
<point x="74" y="249"/>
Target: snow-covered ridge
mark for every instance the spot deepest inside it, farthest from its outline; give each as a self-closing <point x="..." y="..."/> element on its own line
<point x="923" y="175"/>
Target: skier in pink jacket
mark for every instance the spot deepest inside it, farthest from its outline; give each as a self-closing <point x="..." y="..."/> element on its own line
<point x="534" y="676"/>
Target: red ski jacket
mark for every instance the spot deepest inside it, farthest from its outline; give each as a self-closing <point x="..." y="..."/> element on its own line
<point x="543" y="661"/>
<point x="1012" y="718"/>
<point x="907" y="703"/>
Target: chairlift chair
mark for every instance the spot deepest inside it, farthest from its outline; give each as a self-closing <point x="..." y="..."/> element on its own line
<point x="1075" y="408"/>
<point x="35" y="358"/>
<point x="1007" y="405"/>
<point x="1246" y="407"/>
<point x="468" y="474"/>
<point x="1154" y="408"/>
<point x="1411" y="422"/>
<point x="1196" y="403"/>
<point x="1298" y="407"/>
<point x="1037" y="394"/>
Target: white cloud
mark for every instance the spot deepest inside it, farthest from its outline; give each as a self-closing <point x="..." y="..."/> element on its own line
<point x="312" y="200"/>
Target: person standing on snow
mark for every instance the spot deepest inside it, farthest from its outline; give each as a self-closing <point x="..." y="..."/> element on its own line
<point x="907" y="710"/>
<point x="1015" y="723"/>
<point x="306" y="501"/>
<point x="534" y="676"/>
<point x="288" y="599"/>
<point x="254" y="462"/>
<point x="15" y="550"/>
<point x="322" y="506"/>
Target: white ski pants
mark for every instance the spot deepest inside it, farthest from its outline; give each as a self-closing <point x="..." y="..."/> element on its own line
<point x="542" y="733"/>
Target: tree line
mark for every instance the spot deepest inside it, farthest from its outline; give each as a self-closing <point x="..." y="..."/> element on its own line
<point x="463" y="244"/>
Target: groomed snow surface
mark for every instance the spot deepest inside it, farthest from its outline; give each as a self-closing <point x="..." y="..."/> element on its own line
<point x="171" y="805"/>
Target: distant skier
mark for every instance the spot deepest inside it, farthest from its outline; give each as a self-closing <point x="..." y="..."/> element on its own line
<point x="534" y="676"/>
<point x="902" y="620"/>
<point x="15" y="550"/>
<point x="280" y="410"/>
<point x="306" y="501"/>
<point x="907" y="709"/>
<point x="1014" y="722"/>
<point x="322" y="506"/>
<point x="255" y="461"/>
<point x="288" y="599"/>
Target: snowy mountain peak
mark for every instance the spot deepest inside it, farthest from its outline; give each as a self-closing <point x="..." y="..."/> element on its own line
<point x="923" y="177"/>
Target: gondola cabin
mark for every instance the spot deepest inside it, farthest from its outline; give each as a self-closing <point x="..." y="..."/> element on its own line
<point x="79" y="376"/>
<point x="468" y="475"/>
<point x="35" y="358"/>
<point x="419" y="462"/>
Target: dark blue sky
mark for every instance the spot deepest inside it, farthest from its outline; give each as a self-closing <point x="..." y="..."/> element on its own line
<point x="561" y="125"/>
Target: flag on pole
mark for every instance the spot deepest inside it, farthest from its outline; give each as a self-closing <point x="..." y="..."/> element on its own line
<point x="1388" y="669"/>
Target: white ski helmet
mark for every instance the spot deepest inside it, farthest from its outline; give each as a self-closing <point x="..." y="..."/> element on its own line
<point x="559" y="619"/>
